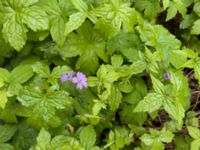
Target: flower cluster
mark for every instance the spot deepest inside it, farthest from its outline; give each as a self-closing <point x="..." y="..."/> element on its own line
<point x="79" y="79"/>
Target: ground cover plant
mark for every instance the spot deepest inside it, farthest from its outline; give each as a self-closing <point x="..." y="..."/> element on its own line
<point x="99" y="74"/>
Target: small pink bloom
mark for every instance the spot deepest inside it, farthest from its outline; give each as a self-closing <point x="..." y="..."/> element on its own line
<point x="67" y="77"/>
<point x="80" y="80"/>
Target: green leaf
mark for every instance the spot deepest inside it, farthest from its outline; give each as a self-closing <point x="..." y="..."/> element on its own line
<point x="57" y="30"/>
<point x="128" y="116"/>
<point x="6" y="132"/>
<point x="43" y="140"/>
<point x="45" y="105"/>
<point x="59" y="70"/>
<point x="150" y="103"/>
<point x="1" y="82"/>
<point x="118" y="15"/>
<point x="151" y="8"/>
<point x="195" y="28"/>
<point x="194" y="132"/>
<point x="75" y="21"/>
<point x="30" y="2"/>
<point x="166" y="136"/>
<point x="86" y="41"/>
<point x="196" y="8"/>
<point x="147" y="139"/>
<point x="182" y="142"/>
<point x="158" y="145"/>
<point x="88" y="137"/>
<point x="80" y="5"/>
<point x="175" y="109"/>
<point x="158" y="37"/>
<point x="41" y="69"/>
<point x="182" y="55"/>
<point x="35" y="18"/>
<point x="98" y="105"/>
<point x="125" y="86"/>
<point x="4" y="74"/>
<point x="157" y="85"/>
<point x="120" y="137"/>
<point x="187" y="21"/>
<point x="5" y="146"/>
<point x="138" y="67"/>
<point x="25" y="137"/>
<point x="174" y="7"/>
<point x="195" y="145"/>
<point x="3" y="99"/>
<point x="166" y="3"/>
<point x="197" y="71"/>
<point x="138" y="93"/>
<point x="115" y="98"/>
<point x="21" y="74"/>
<point x="15" y="33"/>
<point x="84" y="62"/>
<point x="116" y="61"/>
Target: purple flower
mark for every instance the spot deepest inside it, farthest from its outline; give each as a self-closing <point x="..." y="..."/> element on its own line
<point x="67" y="77"/>
<point x="167" y="76"/>
<point x="80" y="80"/>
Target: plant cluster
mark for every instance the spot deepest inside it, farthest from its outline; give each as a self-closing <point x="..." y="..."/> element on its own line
<point x="99" y="74"/>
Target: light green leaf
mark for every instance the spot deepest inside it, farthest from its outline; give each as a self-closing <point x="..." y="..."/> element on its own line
<point x="197" y="71"/>
<point x="3" y="99"/>
<point x="150" y="103"/>
<point x="43" y="105"/>
<point x="21" y="74"/>
<point x="15" y="33"/>
<point x="29" y="2"/>
<point x="175" y="109"/>
<point x="125" y="86"/>
<point x="59" y="70"/>
<point x="174" y="7"/>
<point x="166" y="3"/>
<point x="29" y="97"/>
<point x="196" y="8"/>
<point x="147" y="139"/>
<point x="75" y="21"/>
<point x="195" y="28"/>
<point x="118" y="15"/>
<point x="80" y="5"/>
<point x="171" y="11"/>
<point x="41" y="69"/>
<point x="43" y="140"/>
<point x="157" y="85"/>
<point x="6" y="132"/>
<point x="88" y="137"/>
<point x="35" y="18"/>
<point x="98" y="105"/>
<point x="195" y="145"/>
<point x="158" y="37"/>
<point x="194" y="132"/>
<point x="116" y="61"/>
<point x="115" y="98"/>
<point x="1" y="82"/>
<point x="166" y="136"/>
<point x="138" y="67"/>
<point x="158" y="145"/>
<point x="4" y="74"/>
<point x="57" y="30"/>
